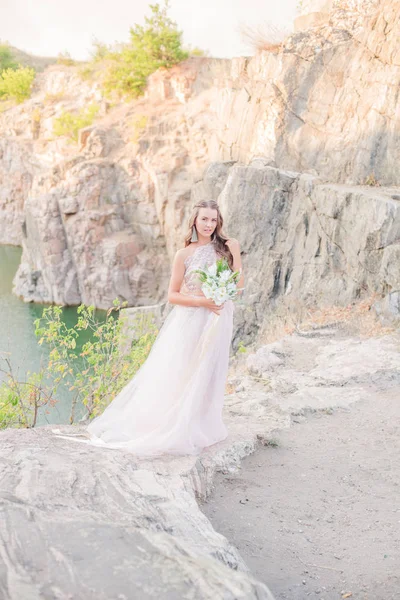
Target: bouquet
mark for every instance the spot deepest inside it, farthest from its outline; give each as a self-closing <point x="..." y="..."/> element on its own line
<point x="219" y="281"/>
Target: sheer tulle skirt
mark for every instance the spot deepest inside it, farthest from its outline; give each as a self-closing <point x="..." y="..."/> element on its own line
<point x="174" y="402"/>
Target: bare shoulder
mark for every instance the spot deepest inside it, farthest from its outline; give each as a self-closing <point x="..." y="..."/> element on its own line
<point x="182" y="254"/>
<point x="233" y="245"/>
<point x="186" y="251"/>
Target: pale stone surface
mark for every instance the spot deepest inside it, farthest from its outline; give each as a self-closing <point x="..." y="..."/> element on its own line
<point x="16" y="174"/>
<point x="312" y="512"/>
<point x="313" y="6"/>
<point x="325" y="369"/>
<point x="388" y="309"/>
<point x="84" y="250"/>
<point x="266" y="358"/>
<point x="350" y="13"/>
<point x="84" y="522"/>
<point x="314" y="106"/>
<point x="94" y="523"/>
<point x="312" y="13"/>
<point x="308" y="243"/>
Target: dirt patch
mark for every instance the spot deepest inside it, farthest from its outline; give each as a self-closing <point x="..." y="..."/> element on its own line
<point x="318" y="516"/>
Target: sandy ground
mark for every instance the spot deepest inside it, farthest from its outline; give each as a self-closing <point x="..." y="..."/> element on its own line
<point x="318" y="516"/>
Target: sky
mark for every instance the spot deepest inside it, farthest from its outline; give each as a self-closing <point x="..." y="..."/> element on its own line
<point x="48" y="27"/>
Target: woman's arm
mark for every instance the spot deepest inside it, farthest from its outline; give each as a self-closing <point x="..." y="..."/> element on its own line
<point x="234" y="247"/>
<point x="175" y="296"/>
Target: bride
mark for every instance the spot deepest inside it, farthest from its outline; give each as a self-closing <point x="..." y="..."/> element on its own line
<point x="173" y="404"/>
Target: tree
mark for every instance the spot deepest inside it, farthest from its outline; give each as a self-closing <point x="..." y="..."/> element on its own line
<point x="100" y="51"/>
<point x="159" y="43"/>
<point x="156" y="44"/>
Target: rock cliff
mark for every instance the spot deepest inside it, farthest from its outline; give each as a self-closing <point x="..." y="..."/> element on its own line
<point x="309" y="243"/>
<point x="300" y="146"/>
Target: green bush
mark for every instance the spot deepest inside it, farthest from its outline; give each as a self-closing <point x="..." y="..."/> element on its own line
<point x="69" y="124"/>
<point x="11" y="414"/>
<point x="20" y="401"/>
<point x="101" y="369"/>
<point x="100" y="51"/>
<point x="87" y="71"/>
<point x="6" y="58"/>
<point x="241" y="347"/>
<point x="156" y="44"/>
<point x="16" y="84"/>
<point x="95" y="374"/>
<point x="64" y="58"/>
<point x="196" y="51"/>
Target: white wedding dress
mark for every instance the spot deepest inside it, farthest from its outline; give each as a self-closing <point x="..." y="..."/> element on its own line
<point x="174" y="402"/>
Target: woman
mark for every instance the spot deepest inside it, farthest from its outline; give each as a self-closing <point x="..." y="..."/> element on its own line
<point x="174" y="402"/>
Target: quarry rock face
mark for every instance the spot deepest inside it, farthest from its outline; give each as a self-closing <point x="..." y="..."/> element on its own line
<point x="299" y="145"/>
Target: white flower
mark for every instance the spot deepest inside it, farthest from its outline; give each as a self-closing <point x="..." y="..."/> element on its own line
<point x="217" y="285"/>
<point x="207" y="290"/>
<point x="225" y="275"/>
<point x="221" y="295"/>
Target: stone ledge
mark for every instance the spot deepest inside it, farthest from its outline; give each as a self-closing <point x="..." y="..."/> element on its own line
<point x="89" y="523"/>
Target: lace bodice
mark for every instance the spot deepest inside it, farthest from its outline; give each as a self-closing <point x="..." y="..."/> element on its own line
<point x="203" y="256"/>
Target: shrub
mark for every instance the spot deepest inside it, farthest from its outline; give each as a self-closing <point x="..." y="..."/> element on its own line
<point x="371" y="180"/>
<point x="100" y="51"/>
<point x="55" y="97"/>
<point x="94" y="374"/>
<point x="86" y="71"/>
<point x="105" y="369"/>
<point x="20" y="401"/>
<point x="16" y="84"/>
<point x="241" y="347"/>
<point x="157" y="44"/>
<point x="99" y="55"/>
<point x="195" y="51"/>
<point x="64" y="58"/>
<point x="266" y="36"/>
<point x="69" y="124"/>
<point x="6" y="58"/>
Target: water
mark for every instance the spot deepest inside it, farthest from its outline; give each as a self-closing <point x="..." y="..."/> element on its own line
<point x="17" y="335"/>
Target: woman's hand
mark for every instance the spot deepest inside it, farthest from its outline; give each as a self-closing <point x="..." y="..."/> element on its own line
<point x="210" y="304"/>
<point x="233" y="246"/>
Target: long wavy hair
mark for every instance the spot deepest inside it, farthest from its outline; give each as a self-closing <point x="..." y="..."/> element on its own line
<point x="218" y="237"/>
